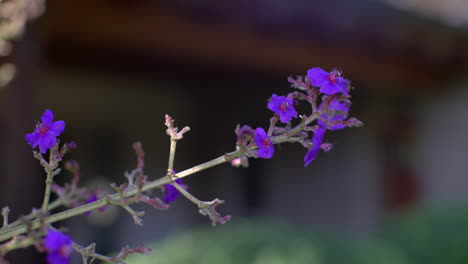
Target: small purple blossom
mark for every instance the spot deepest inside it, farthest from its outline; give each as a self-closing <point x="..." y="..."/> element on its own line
<point x="92" y="199"/>
<point x="46" y="132"/>
<point x="328" y="82"/>
<point x="59" y="247"/>
<point x="266" y="148"/>
<point x="317" y="140"/>
<point x="171" y="193"/>
<point x="244" y="135"/>
<point x="334" y="116"/>
<point x="283" y="106"/>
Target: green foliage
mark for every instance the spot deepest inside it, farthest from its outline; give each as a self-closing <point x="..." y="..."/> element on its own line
<point x="256" y="243"/>
<point x="424" y="237"/>
<point x="431" y="236"/>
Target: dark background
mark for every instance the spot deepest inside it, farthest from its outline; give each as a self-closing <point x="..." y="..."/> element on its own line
<point x="111" y="69"/>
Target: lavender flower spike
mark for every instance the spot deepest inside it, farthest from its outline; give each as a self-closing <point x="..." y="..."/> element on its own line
<point x="46" y="132"/>
<point x="59" y="247"/>
<point x="283" y="106"/>
<point x="266" y="148"/>
<point x="328" y="82"/>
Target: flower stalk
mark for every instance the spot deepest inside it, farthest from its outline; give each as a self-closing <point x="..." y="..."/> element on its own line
<point x="327" y="92"/>
<point x="7" y="233"/>
<point x="49" y="181"/>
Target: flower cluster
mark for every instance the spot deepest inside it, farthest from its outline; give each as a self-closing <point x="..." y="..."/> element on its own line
<point x="328" y="90"/>
<point x="327" y="94"/>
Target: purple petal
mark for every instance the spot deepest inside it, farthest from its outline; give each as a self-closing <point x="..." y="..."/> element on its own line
<point x="321" y="123"/>
<point x="317" y="139"/>
<point x="266" y="153"/>
<point x="47" y="117"/>
<point x="336" y="127"/>
<point x="290" y="112"/>
<point x="54" y="240"/>
<point x="343" y="84"/>
<point x="310" y="156"/>
<point x="57" y="127"/>
<point x="274" y="107"/>
<point x="329" y="88"/>
<point x="319" y="134"/>
<point x="335" y="118"/>
<point x="33" y="139"/>
<point x="285" y="117"/>
<point x="260" y="135"/>
<point x="338" y="106"/>
<point x="318" y="76"/>
<point x="171" y="193"/>
<point x="56" y="257"/>
<point x="46" y="142"/>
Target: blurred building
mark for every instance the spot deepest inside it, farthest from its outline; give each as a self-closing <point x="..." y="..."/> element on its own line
<point x="112" y="69"/>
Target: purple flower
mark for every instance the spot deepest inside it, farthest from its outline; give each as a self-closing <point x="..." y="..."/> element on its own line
<point x="59" y="247"/>
<point x="317" y="140"/>
<point x="171" y="193"/>
<point x="328" y="82"/>
<point x="283" y="106"/>
<point x="45" y="132"/>
<point x="92" y="199"/>
<point x="337" y="111"/>
<point x="244" y="135"/>
<point x="265" y="146"/>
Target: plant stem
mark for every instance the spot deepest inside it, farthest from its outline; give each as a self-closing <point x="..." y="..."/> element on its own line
<point x="188" y="195"/>
<point x="9" y="232"/>
<point x="5" y="213"/>
<point x="49" y="181"/>
<point x="21" y="229"/>
<point x="170" y="166"/>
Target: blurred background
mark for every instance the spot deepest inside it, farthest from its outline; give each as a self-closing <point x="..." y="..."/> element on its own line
<point x="112" y="69"/>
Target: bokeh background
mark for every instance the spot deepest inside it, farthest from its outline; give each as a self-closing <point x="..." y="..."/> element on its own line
<point x="112" y="68"/>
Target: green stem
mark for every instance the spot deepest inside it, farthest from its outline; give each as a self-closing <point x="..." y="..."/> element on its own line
<point x="49" y="181"/>
<point x="188" y="195"/>
<point x="21" y="229"/>
<point x="55" y="204"/>
<point x="170" y="166"/>
<point x="7" y="233"/>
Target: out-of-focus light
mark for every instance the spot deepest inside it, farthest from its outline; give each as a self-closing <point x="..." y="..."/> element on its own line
<point x="453" y="12"/>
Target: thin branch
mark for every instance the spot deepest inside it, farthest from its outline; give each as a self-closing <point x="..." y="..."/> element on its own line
<point x="5" y="213"/>
<point x="7" y="233"/>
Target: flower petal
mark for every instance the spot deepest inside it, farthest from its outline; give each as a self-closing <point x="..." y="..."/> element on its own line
<point x="310" y="156"/>
<point x="329" y="88"/>
<point x="338" y="106"/>
<point x="318" y="76"/>
<point x="46" y="142"/>
<point x="56" y="257"/>
<point x="343" y="84"/>
<point x="47" y="117"/>
<point x="55" y="239"/>
<point x="266" y="153"/>
<point x="260" y="135"/>
<point x="171" y="193"/>
<point x="33" y="139"/>
<point x="317" y="139"/>
<point x="57" y="127"/>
